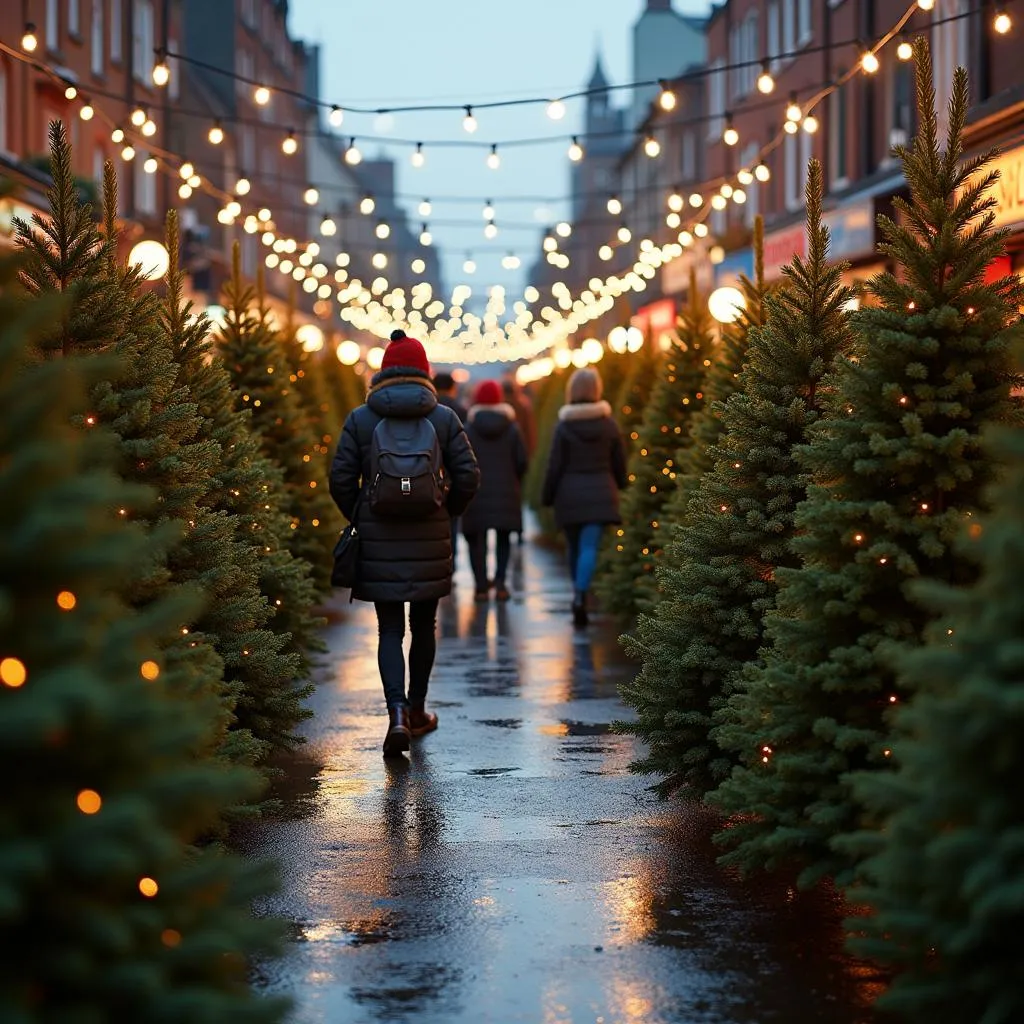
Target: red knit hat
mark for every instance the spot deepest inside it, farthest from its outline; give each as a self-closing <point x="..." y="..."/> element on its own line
<point x="404" y="351"/>
<point x="488" y="392"/>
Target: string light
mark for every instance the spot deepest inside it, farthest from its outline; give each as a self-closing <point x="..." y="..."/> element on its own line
<point x="425" y="208"/>
<point x="150" y="165"/>
<point x="696" y="200"/>
<point x="117" y="136"/>
<point x="29" y="39"/>
<point x="614" y="205"/>
<point x="493" y="160"/>
<point x="469" y="122"/>
<point x="490" y="229"/>
<point x="652" y="147"/>
<point x="762" y="173"/>
<point x="13" y="672"/>
<point x="149" y="127"/>
<point x="418" y="266"/>
<point x="605" y="253"/>
<point x="904" y="51"/>
<point x="791" y="127"/>
<point x="149" y="670"/>
<point x="261" y="95"/>
<point x="148" y="887"/>
<point x="311" y="196"/>
<point x="793" y="111"/>
<point x="550" y="243"/>
<point x="744" y="176"/>
<point x="469" y="267"/>
<point x="138" y="117"/>
<point x="328" y="227"/>
<point x="1002" y="23"/>
<point x="624" y="234"/>
<point x="556" y="110"/>
<point x="216" y="134"/>
<point x="666" y="98"/>
<point x="336" y="118"/>
<point x="425" y="237"/>
<point x="765" y="81"/>
<point x="869" y="62"/>
<point x="488" y="210"/>
<point x="242" y="186"/>
<point x="700" y="230"/>
<point x="926" y="5"/>
<point x="380" y="260"/>
<point x="290" y="145"/>
<point x="128" y="152"/>
<point x="810" y="124"/>
<point x="383" y="229"/>
<point x="418" y="159"/>
<point x="87" y="111"/>
<point x="352" y="154"/>
<point x="575" y="150"/>
<point x="186" y="170"/>
<point x="563" y="229"/>
<point x="730" y="136"/>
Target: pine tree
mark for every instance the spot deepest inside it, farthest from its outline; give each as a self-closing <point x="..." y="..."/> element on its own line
<point x="896" y="469"/>
<point x="677" y="395"/>
<point x="259" y="372"/>
<point x="264" y="676"/>
<point x="944" y="875"/>
<point x="634" y="391"/>
<point x="717" y="577"/>
<point x="105" y="912"/>
<point x="270" y="672"/>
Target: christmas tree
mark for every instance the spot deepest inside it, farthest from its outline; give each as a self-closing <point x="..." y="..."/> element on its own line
<point x="664" y="431"/>
<point x="106" y="912"/>
<point x="260" y="376"/>
<point x="896" y="469"/>
<point x="717" y="576"/>
<point x="629" y="399"/>
<point x="263" y="672"/>
<point x="944" y="875"/>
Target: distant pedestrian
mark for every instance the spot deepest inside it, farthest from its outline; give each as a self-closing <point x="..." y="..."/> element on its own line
<point x="403" y="467"/>
<point x="447" y="394"/>
<point x="498" y="505"/>
<point x="586" y="470"/>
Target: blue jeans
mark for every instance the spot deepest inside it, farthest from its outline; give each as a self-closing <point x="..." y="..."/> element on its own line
<point x="584" y="540"/>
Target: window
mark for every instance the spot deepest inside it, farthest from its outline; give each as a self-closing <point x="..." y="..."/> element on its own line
<point x="142" y="40"/>
<point x="3" y="108"/>
<point x="98" y="159"/>
<point x="788" y="26"/>
<point x="74" y="18"/>
<point x="52" y="24"/>
<point x="751" y="52"/>
<point x="688" y="161"/>
<point x="838" y="157"/>
<point x="774" y="33"/>
<point x="798" y="151"/>
<point x="97" y="37"/>
<point x="900" y="107"/>
<point x="116" y="30"/>
<point x="174" y="85"/>
<point x="735" y="72"/>
<point x="716" y="98"/>
<point x="145" y="186"/>
<point x="804" y="27"/>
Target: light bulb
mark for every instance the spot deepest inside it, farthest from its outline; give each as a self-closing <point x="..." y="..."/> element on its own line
<point x="791" y="127"/>
<point x="488" y="210"/>
<point x="138" y="117"/>
<point x="926" y="5"/>
<point x="793" y="111"/>
<point x="762" y="173"/>
<point x="418" y="159"/>
<point x="128" y="153"/>
<point x="289" y="144"/>
<point x="696" y="200"/>
<point x="575" y="150"/>
<point x="367" y="205"/>
<point x="550" y="244"/>
<point x="425" y="208"/>
<point x="730" y="136"/>
<point x="493" y="160"/>
<point x="186" y="170"/>
<point x="556" y="110"/>
<point x="904" y="51"/>
<point x="700" y="230"/>
<point x="195" y="181"/>
<point x="718" y="201"/>
<point x="328" y="227"/>
<point x="380" y="260"/>
<point x="382" y="230"/>
<point x="469" y="267"/>
<point x="563" y="229"/>
<point x="869" y="62"/>
<point x="29" y="39"/>
<point x="161" y="73"/>
<point x="150" y="165"/>
<point x="666" y="98"/>
<point x="624" y="234"/>
<point x="184" y="190"/>
<point x="117" y="136"/>
<point x="490" y="229"/>
<point x="614" y="205"/>
<point x="673" y="220"/>
<point x="311" y="196"/>
<point x="726" y="190"/>
<point x="810" y="124"/>
<point x="216" y="134"/>
<point x="425" y="237"/>
<point x="605" y="252"/>
<point x="651" y="146"/>
<point x="261" y="95"/>
<point x="765" y="81"/>
<point x="744" y="177"/>
<point x="739" y="196"/>
<point x="469" y="122"/>
<point x="675" y="202"/>
<point x="352" y="154"/>
<point x="336" y="117"/>
<point x="1002" y="23"/>
<point x="685" y="238"/>
<point x="234" y="207"/>
<point x="87" y="111"/>
<point x="149" y="127"/>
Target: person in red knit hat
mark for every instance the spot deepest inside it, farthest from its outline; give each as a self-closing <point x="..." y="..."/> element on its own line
<point x="498" y="505"/>
<point x="406" y="560"/>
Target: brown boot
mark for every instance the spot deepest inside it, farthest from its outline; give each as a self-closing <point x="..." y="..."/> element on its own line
<point x="421" y="721"/>
<point x="398" y="735"/>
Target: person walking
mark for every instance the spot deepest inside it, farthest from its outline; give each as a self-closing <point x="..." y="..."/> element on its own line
<point x="498" y="505"/>
<point x="585" y="472"/>
<point x="403" y="467"/>
<point x="447" y="394"/>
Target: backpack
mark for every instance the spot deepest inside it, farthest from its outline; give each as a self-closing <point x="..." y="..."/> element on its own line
<point x="407" y="479"/>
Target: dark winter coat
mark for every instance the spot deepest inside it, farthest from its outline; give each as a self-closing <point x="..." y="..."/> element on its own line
<point x="402" y="559"/>
<point x="455" y="405"/>
<point x="586" y="466"/>
<point x="500" y="450"/>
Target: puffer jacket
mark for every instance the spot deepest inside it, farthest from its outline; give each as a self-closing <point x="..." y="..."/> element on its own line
<point x="402" y="559"/>
<point x="586" y="466"/>
<point x="500" y="450"/>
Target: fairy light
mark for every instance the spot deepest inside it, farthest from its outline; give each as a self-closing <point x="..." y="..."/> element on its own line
<point x="117" y="136"/>
<point x="493" y="160"/>
<point x="810" y="124"/>
<point x="426" y="238"/>
<point x="614" y="205"/>
<point x="149" y="670"/>
<point x="367" y="205"/>
<point x="151" y="164"/>
<point x="13" y="672"/>
<point x="605" y="253"/>
<point x="128" y="152"/>
<point x="624" y="234"/>
<point x="336" y="118"/>
<point x="352" y="154"/>
<point x="765" y="81"/>
<point x="700" y="230"/>
<point x="666" y="98"/>
<point x="186" y="170"/>
<point x="652" y="147"/>
<point x="793" y="111"/>
<point x="744" y="176"/>
<point x="290" y="145"/>
<point x="575" y="152"/>
<point x="490" y="229"/>
<point x="469" y="122"/>
<point x="383" y="229"/>
<point x="328" y="226"/>
<point x="926" y="5"/>
<point x="148" y="887"/>
<point x="730" y="136"/>
<point x="138" y="117"/>
<point x="762" y="172"/>
<point x="88" y="801"/>
<point x="261" y="95"/>
<point x="904" y="51"/>
<point x="87" y="112"/>
<point x="242" y="186"/>
<point x="1002" y="22"/>
<point x="556" y="111"/>
<point x="418" y="159"/>
<point x="869" y="62"/>
<point x="215" y="134"/>
<point x="161" y="73"/>
<point x="488" y="210"/>
<point x="29" y="39"/>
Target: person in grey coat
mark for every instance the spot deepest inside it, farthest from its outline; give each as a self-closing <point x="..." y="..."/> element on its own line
<point x="586" y="470"/>
<point x="403" y="560"/>
<point x="498" y="505"/>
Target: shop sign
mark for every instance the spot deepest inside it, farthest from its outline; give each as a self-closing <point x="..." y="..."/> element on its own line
<point x="675" y="275"/>
<point x="736" y="263"/>
<point x="1008" y="191"/>
<point x="656" y="317"/>
<point x="780" y="247"/>
<point x="851" y="230"/>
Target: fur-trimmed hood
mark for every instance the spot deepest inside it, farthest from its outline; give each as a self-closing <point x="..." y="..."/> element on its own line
<point x="502" y="408"/>
<point x="584" y="411"/>
<point x="491" y="420"/>
<point x="402" y="391"/>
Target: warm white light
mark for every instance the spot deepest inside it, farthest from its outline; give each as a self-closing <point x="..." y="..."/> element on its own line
<point x="469" y="122"/>
<point x="418" y="159"/>
<point x="716" y="254"/>
<point x="718" y="201"/>
<point x="117" y="136"/>
<point x="726" y="304"/>
<point x="328" y="227"/>
<point x="634" y="339"/>
<point x="904" y="51"/>
<point x="511" y="262"/>
<point x="216" y="134"/>
<point x="70" y="92"/>
<point x="375" y="358"/>
<point x="926" y="5"/>
<point x="614" y="205"/>
<point x="336" y="117"/>
<point x="744" y="176"/>
<point x="726" y="190"/>
<point x="490" y="229"/>
<point x="685" y="238"/>
<point x="556" y="110"/>
<point x="383" y="229"/>
<point x="765" y="82"/>
<point x="739" y="196"/>
<point x="810" y="124"/>
<point x="624" y="234"/>
<point x="592" y="349"/>
<point x="150" y="165"/>
<point x="563" y="229"/>
<point x="128" y="153"/>
<point x="1002" y="23"/>
<point x="151" y="257"/>
<point x="290" y="145"/>
<point x="762" y="173"/>
<point x="700" y="230"/>
<point x="380" y="260"/>
<point x="488" y="210"/>
<point x="352" y="155"/>
<point x="791" y="127"/>
<point x="186" y="170"/>
<point x="652" y="147"/>
<point x="869" y="62"/>
<point x="184" y="190"/>
<point x="605" y="252"/>
<point x="224" y="217"/>
<point x="618" y="340"/>
<point x="418" y="266"/>
<point x="730" y="136"/>
<point x="149" y="127"/>
<point x="367" y="205"/>
<point x="138" y="117"/>
<point x="469" y="267"/>
<point x="575" y="151"/>
<point x="261" y="94"/>
<point x="348" y="353"/>
<point x="425" y="208"/>
<point x="425" y="236"/>
<point x="666" y="98"/>
<point x="29" y="39"/>
<point x="493" y="160"/>
<point x="793" y="111"/>
<point x="87" y="112"/>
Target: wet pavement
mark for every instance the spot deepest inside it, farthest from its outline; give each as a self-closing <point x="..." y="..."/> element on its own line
<point x="512" y="869"/>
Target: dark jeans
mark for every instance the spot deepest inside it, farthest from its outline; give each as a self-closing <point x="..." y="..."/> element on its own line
<point x="584" y="541"/>
<point x="391" y="658"/>
<point x="478" y="556"/>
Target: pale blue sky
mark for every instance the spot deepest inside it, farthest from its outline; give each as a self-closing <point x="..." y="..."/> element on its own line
<point x="383" y="52"/>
